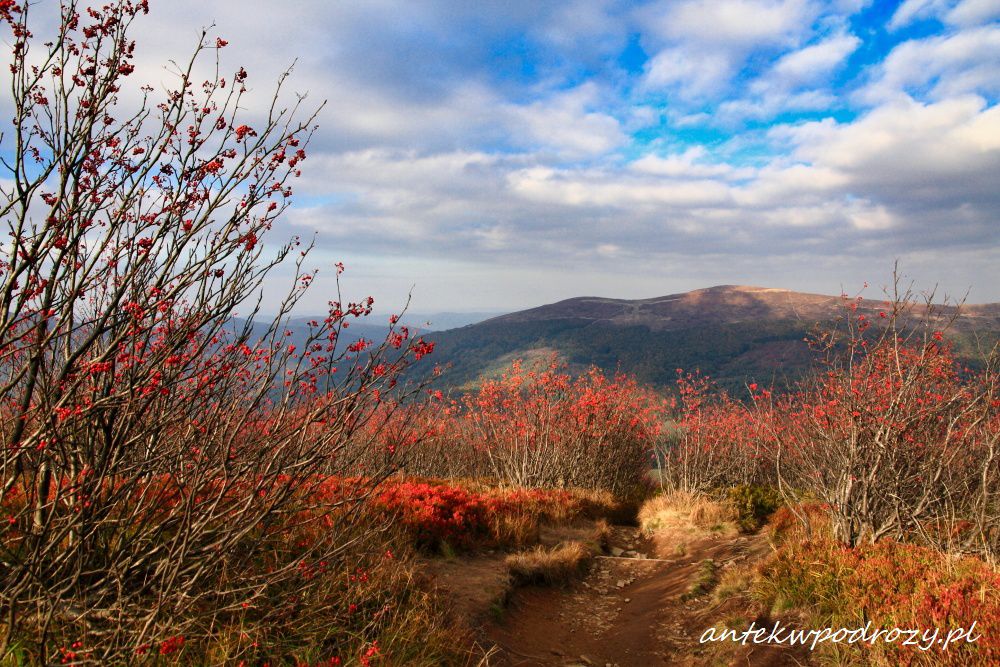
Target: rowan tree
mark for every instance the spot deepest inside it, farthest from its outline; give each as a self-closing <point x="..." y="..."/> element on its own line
<point x="158" y="453"/>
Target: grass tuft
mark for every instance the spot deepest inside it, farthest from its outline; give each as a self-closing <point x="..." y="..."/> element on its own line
<point x="679" y="509"/>
<point x="551" y="567"/>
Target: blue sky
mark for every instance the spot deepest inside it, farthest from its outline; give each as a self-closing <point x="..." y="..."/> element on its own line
<point x="504" y="154"/>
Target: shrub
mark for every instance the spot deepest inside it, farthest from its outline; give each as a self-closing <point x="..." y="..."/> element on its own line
<point x="891" y="585"/>
<point x="544" y="428"/>
<point x="715" y="441"/>
<point x="434" y="514"/>
<point x="753" y="504"/>
<point x="162" y="458"/>
<point x="897" y="438"/>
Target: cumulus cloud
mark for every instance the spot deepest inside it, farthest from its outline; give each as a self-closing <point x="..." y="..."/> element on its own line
<point x="960" y="13"/>
<point x="700" y="45"/>
<point x="494" y="152"/>
<point x="731" y="23"/>
<point x="940" y="67"/>
<point x="813" y="64"/>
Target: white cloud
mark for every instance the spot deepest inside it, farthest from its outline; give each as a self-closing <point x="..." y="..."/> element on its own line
<point x="696" y="74"/>
<point x="798" y="81"/>
<point x="772" y="103"/>
<point x="567" y="124"/>
<point x="615" y="189"/>
<point x="900" y="140"/>
<point x="699" y="45"/>
<point x="732" y="23"/>
<point x="814" y="63"/>
<point x="964" y="13"/>
<point x="913" y="10"/>
<point x="974" y="12"/>
<point x="940" y="67"/>
<point x="688" y="164"/>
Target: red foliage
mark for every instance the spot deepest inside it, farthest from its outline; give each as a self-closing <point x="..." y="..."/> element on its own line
<point x="894" y="585"/>
<point x="432" y="513"/>
<point x="543" y="427"/>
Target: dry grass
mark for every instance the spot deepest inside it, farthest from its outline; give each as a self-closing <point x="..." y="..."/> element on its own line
<point x="555" y="566"/>
<point x="515" y="529"/>
<point x="597" y="504"/>
<point x="736" y="580"/>
<point x="690" y="511"/>
<point x="602" y="535"/>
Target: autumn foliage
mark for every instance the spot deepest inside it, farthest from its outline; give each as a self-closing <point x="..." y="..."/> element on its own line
<point x="894" y="435"/>
<point x="181" y="484"/>
<point x="159" y="454"/>
<point x="888" y="584"/>
<point x="435" y="514"/>
<point x="543" y="427"/>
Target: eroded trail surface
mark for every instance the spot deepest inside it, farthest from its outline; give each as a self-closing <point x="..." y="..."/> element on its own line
<point x="638" y="606"/>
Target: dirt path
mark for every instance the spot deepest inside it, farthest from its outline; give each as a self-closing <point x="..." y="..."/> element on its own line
<point x="631" y="610"/>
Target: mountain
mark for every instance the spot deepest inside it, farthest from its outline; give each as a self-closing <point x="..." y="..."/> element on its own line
<point x="733" y="333"/>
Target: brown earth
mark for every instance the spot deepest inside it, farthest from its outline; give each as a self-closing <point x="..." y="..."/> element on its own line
<point x="634" y="609"/>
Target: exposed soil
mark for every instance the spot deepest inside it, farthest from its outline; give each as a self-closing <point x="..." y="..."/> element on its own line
<point x="475" y="586"/>
<point x="478" y="585"/>
<point x="633" y="610"/>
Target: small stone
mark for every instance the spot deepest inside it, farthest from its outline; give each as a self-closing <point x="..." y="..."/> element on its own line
<point x="620" y="584"/>
<point x="615" y="551"/>
<point x="628" y="600"/>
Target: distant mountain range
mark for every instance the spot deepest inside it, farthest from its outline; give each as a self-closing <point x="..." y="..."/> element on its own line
<point x="733" y="333"/>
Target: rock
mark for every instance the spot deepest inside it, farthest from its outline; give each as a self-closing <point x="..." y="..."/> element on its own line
<point x="628" y="600"/>
<point x="621" y="583"/>
<point x="615" y="551"/>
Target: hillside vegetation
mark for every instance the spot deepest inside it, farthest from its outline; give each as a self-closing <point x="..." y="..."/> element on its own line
<point x="734" y="334"/>
<point x="183" y="487"/>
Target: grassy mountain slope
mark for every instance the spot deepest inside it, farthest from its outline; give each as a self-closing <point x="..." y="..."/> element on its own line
<point x="733" y="333"/>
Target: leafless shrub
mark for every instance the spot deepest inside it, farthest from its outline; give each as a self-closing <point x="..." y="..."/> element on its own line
<point x="162" y="461"/>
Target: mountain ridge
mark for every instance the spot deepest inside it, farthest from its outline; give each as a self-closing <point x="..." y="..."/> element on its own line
<point x="744" y="298"/>
<point x="732" y="332"/>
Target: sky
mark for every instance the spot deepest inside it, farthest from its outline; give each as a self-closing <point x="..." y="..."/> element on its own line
<point x="497" y="155"/>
